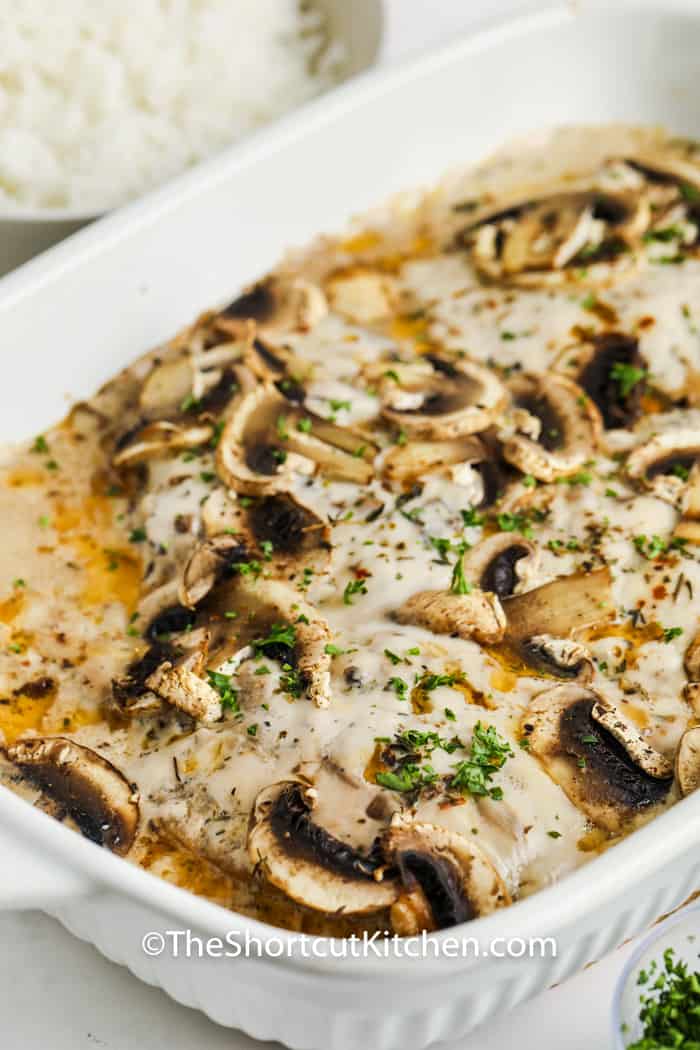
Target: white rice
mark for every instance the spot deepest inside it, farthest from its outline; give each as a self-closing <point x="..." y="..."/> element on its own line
<point x="103" y="99"/>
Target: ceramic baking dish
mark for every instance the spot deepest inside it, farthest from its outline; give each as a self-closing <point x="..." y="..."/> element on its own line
<point x="71" y="318"/>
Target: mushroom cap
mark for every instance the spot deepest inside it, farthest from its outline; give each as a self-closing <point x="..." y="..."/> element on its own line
<point x="253" y="453"/>
<point x="691" y="660"/>
<point x="478" y="615"/>
<point x="559" y="431"/>
<point x="595" y="755"/>
<point x="92" y="791"/>
<point x="688" y="761"/>
<point x="500" y="562"/>
<point x="308" y="863"/>
<point x="447" y="878"/>
<point x="442" y="398"/>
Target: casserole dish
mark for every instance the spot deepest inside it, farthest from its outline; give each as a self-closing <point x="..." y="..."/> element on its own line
<point x="155" y="265"/>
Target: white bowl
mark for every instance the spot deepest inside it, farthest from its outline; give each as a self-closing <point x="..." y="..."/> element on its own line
<point x="680" y="932"/>
<point x="26" y="232"/>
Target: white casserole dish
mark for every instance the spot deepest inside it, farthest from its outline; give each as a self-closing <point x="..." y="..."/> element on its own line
<point x="74" y="316"/>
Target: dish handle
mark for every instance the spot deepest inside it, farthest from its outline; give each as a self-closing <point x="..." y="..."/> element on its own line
<point x="30" y="880"/>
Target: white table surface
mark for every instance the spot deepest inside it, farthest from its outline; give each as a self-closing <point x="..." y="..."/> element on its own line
<point x="60" y="994"/>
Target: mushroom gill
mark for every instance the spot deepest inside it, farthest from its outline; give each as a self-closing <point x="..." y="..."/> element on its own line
<point x="500" y="563"/>
<point x="309" y="864"/>
<point x="267" y="436"/>
<point x="598" y="758"/>
<point x="84" y="785"/>
<point x="612" y="372"/>
<point x="553" y="429"/>
<point x="446" y="879"/>
<point x="442" y="398"/>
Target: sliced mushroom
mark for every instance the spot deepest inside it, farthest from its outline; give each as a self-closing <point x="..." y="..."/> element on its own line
<point x="243" y="610"/>
<point x="97" y="797"/>
<point x="192" y="374"/>
<point x="441" y="398"/>
<point x="560" y="607"/>
<point x="478" y="615"/>
<point x="151" y="440"/>
<point x="446" y="878"/>
<point x="688" y="761"/>
<point x="663" y="463"/>
<point x="209" y="561"/>
<point x="500" y="562"/>
<point x="280" y="304"/>
<point x="554" y="430"/>
<point x="308" y="863"/>
<point x="541" y="239"/>
<point x="559" y="657"/>
<point x="179" y="679"/>
<point x="672" y="189"/>
<point x="253" y="454"/>
<point x="611" y="370"/>
<point x="597" y="757"/>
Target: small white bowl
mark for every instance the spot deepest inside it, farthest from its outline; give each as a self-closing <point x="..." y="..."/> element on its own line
<point x="26" y="232"/>
<point x="680" y="932"/>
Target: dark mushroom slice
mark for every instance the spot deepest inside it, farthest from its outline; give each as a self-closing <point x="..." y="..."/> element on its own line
<point x="541" y="239"/>
<point x="88" y="788"/>
<point x="499" y="563"/>
<point x="309" y="864"/>
<point x="541" y="622"/>
<point x="279" y="366"/>
<point x="597" y="757"/>
<point x="478" y="614"/>
<point x="446" y="878"/>
<point x="208" y="563"/>
<point x="664" y="464"/>
<point x="612" y="371"/>
<point x="441" y="398"/>
<point x="553" y="428"/>
<point x="254" y="454"/>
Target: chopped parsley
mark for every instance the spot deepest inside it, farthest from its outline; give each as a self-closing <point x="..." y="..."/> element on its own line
<point x="487" y="754"/>
<point x="472" y="518"/>
<point x="221" y="683"/>
<point x="283" y="634"/>
<point x="459" y="583"/>
<point x="627" y="377"/>
<point x="670" y="1015"/>
<point x="672" y="632"/>
<point x="400" y="687"/>
<point x="353" y="587"/>
<point x="137" y="535"/>
<point x="40" y="445"/>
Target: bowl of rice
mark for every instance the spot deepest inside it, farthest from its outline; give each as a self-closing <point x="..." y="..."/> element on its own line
<point x="100" y="103"/>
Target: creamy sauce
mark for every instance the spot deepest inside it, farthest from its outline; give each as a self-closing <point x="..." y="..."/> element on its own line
<point x="89" y="553"/>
